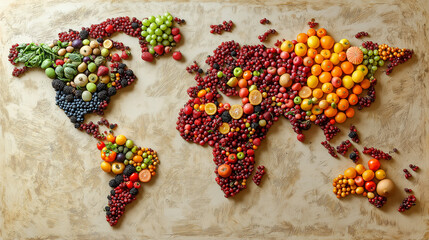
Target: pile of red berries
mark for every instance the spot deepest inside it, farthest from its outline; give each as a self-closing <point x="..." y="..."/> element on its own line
<point x="414" y="167"/>
<point x="377" y="201"/>
<point x="179" y="20"/>
<point x="353" y="134"/>
<point x="258" y="175"/>
<point x="376" y="153"/>
<point x="361" y="34"/>
<point x="194" y="68"/>
<point x="264" y="21"/>
<point x="225" y="26"/>
<point x="312" y="23"/>
<point x="407" y="173"/>
<point x="344" y="147"/>
<point x="407" y="203"/>
<point x="330" y="148"/>
<point x="263" y="38"/>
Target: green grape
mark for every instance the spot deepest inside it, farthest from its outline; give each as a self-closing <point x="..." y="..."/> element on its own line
<point x="159" y="39"/>
<point x="376" y="58"/>
<point x="361" y="48"/>
<point x="144" y="34"/>
<point x="152" y="42"/>
<point x="167" y="14"/>
<point x="365" y="51"/>
<point x="163" y="18"/>
<point x="148" y="38"/>
<point x="370" y="53"/>
<point x="159" y="21"/>
<point x="152" y="19"/>
<point x="371" y="60"/>
<point x="168" y="31"/>
<point x="163" y="27"/>
<point x="170" y="18"/>
<point x="170" y="38"/>
<point x="144" y="28"/>
<point x="164" y="36"/>
<point x="365" y="56"/>
<point x="158" y="32"/>
<point x="365" y="62"/>
<point x="146" y="22"/>
<point x="151" y="50"/>
<point x="376" y="52"/>
<point x="165" y="43"/>
<point x="153" y="36"/>
<point x="374" y="68"/>
<point x="381" y="63"/>
<point x="150" y="31"/>
<point x="153" y="26"/>
<point x="168" y="23"/>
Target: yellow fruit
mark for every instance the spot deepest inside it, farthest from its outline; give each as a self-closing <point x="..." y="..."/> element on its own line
<point x="345" y="43"/>
<point x="255" y="97"/>
<point x="327" y="87"/>
<point x="306" y="105"/>
<point x="380" y="174"/>
<point x="363" y="69"/>
<point x="316" y="110"/>
<point x="350" y="173"/>
<point x="371" y="195"/>
<point x="335" y="58"/>
<point x="105" y="166"/>
<point x="287" y="46"/>
<point x="332" y="98"/>
<point x="338" y="47"/>
<point x="324" y="104"/>
<point x="236" y="111"/>
<point x="351" y="182"/>
<point x="224" y="128"/>
<point x="301" y="49"/>
<point x="360" y="169"/>
<point x="312" y="81"/>
<point x="107" y="44"/>
<point x="357" y="76"/>
<point x="318" y="93"/>
<point x="313" y="42"/>
<point x="368" y="175"/>
<point x="348" y="82"/>
<point x="359" y="190"/>
<point x="121" y="140"/>
<point x="210" y="108"/>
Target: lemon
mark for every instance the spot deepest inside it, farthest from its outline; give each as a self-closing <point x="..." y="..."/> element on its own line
<point x="380" y="174"/>
<point x="348" y="82"/>
<point x="345" y="43"/>
<point x="338" y="47"/>
<point x="312" y="81"/>
<point x="313" y="42"/>
<point x="335" y="58"/>
<point x="362" y="68"/>
<point x="357" y="76"/>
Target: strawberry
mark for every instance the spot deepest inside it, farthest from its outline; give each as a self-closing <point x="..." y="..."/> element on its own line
<point x="177" y="38"/>
<point x="177" y="56"/>
<point x="125" y="54"/>
<point x="175" y="31"/>
<point x="116" y="58"/>
<point x="147" y="56"/>
<point x="102" y="71"/>
<point x="159" y="49"/>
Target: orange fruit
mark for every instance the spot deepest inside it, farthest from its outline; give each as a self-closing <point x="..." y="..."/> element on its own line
<point x="359" y="190"/>
<point x="342" y="56"/>
<point x="368" y="175"/>
<point x="137" y="158"/>
<point x="330" y="112"/>
<point x="327" y="65"/>
<point x="332" y="98"/>
<point x="327" y="42"/>
<point x="311" y="32"/>
<point x="365" y="84"/>
<point x="201" y="93"/>
<point x="121" y="139"/>
<point x="224" y="128"/>
<point x="324" y="104"/>
<point x="202" y="107"/>
<point x="311" y="52"/>
<point x="242" y="83"/>
<point x="210" y="109"/>
<point x="360" y="169"/>
<point x="313" y="117"/>
<point x="325" y="77"/>
<point x="336" y="72"/>
<point x="236" y="111"/>
<point x="357" y="89"/>
<point x="321" y="32"/>
<point x="325" y="53"/>
<point x="316" y="110"/>
<point x="302" y="38"/>
<point x="255" y="97"/>
<point x="350" y="173"/>
<point x="342" y="92"/>
<point x="145" y="175"/>
<point x="353" y="99"/>
<point x="340" y="117"/>
<point x="347" y="67"/>
<point x="318" y="93"/>
<point x="350" y="112"/>
<point x="319" y="58"/>
<point x="316" y="69"/>
<point x="343" y="105"/>
<point x="305" y="92"/>
<point x="105" y="166"/>
<point x="247" y="75"/>
<point x="327" y="87"/>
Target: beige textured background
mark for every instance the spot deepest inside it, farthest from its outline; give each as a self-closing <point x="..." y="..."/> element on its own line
<point x="51" y="186"/>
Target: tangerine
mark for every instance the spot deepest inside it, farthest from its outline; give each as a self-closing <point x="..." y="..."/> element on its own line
<point x="321" y="32"/>
<point x="342" y="92"/>
<point x="342" y="56"/>
<point x="357" y="89"/>
<point x="327" y="42"/>
<point x="350" y="112"/>
<point x="336" y="72"/>
<point x="311" y="32"/>
<point x="302" y="38"/>
<point x="316" y="69"/>
<point x="353" y="99"/>
<point x="343" y="105"/>
<point x="325" y="77"/>
<point x="318" y="93"/>
<point x="311" y="52"/>
<point x="319" y="58"/>
<point x="330" y="112"/>
<point x="347" y="67"/>
<point x="350" y="173"/>
<point x="327" y="65"/>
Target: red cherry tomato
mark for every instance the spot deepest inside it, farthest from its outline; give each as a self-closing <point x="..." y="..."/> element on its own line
<point x="134" y="177"/>
<point x="130" y="184"/>
<point x="137" y="185"/>
<point x="370" y="186"/>
<point x="374" y="164"/>
<point x="232" y="158"/>
<point x="100" y="145"/>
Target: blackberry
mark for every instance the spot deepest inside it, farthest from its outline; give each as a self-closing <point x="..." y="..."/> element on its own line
<point x="112" y="126"/>
<point x="216" y="66"/>
<point x="108" y="213"/>
<point x="77" y="125"/>
<point x="109" y="197"/>
<point x="103" y="95"/>
<point x="113" y="183"/>
<point x="200" y="71"/>
<point x="134" y="25"/>
<point x="69" y="98"/>
<point x="233" y="53"/>
<point x="101" y="87"/>
<point x="58" y="84"/>
<point x="112" y="192"/>
<point x="134" y="191"/>
<point x="83" y="34"/>
<point x="119" y="178"/>
<point x="122" y="65"/>
<point x="121" y="71"/>
<point x="68" y="89"/>
<point x="111" y="91"/>
<point x="129" y="72"/>
<point x="129" y="170"/>
<point x="78" y="93"/>
<point x="226" y="117"/>
<point x="254" y="125"/>
<point x="100" y="40"/>
<point x="352" y="134"/>
<point x="107" y="208"/>
<point x="124" y="82"/>
<point x="257" y="108"/>
<point x="73" y="119"/>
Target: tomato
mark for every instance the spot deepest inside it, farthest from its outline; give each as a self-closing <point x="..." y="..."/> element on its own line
<point x="100" y="145"/>
<point x="224" y="170"/>
<point x="130" y="184"/>
<point x="370" y="186"/>
<point x="374" y="164"/>
<point x="359" y="181"/>
<point x="109" y="156"/>
<point x="232" y="158"/>
<point x="137" y="185"/>
<point x="111" y="138"/>
<point x="134" y="177"/>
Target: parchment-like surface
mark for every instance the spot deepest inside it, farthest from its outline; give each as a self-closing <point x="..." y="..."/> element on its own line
<point x="51" y="186"/>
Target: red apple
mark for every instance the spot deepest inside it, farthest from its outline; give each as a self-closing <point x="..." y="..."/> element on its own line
<point x="243" y="92"/>
<point x="281" y="71"/>
<point x="297" y="60"/>
<point x="370" y="186"/>
<point x="336" y="82"/>
<point x="271" y="70"/>
<point x="359" y="181"/>
<point x="248" y="108"/>
<point x="284" y="55"/>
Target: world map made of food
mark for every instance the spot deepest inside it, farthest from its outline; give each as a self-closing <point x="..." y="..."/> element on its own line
<point x="310" y="80"/>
